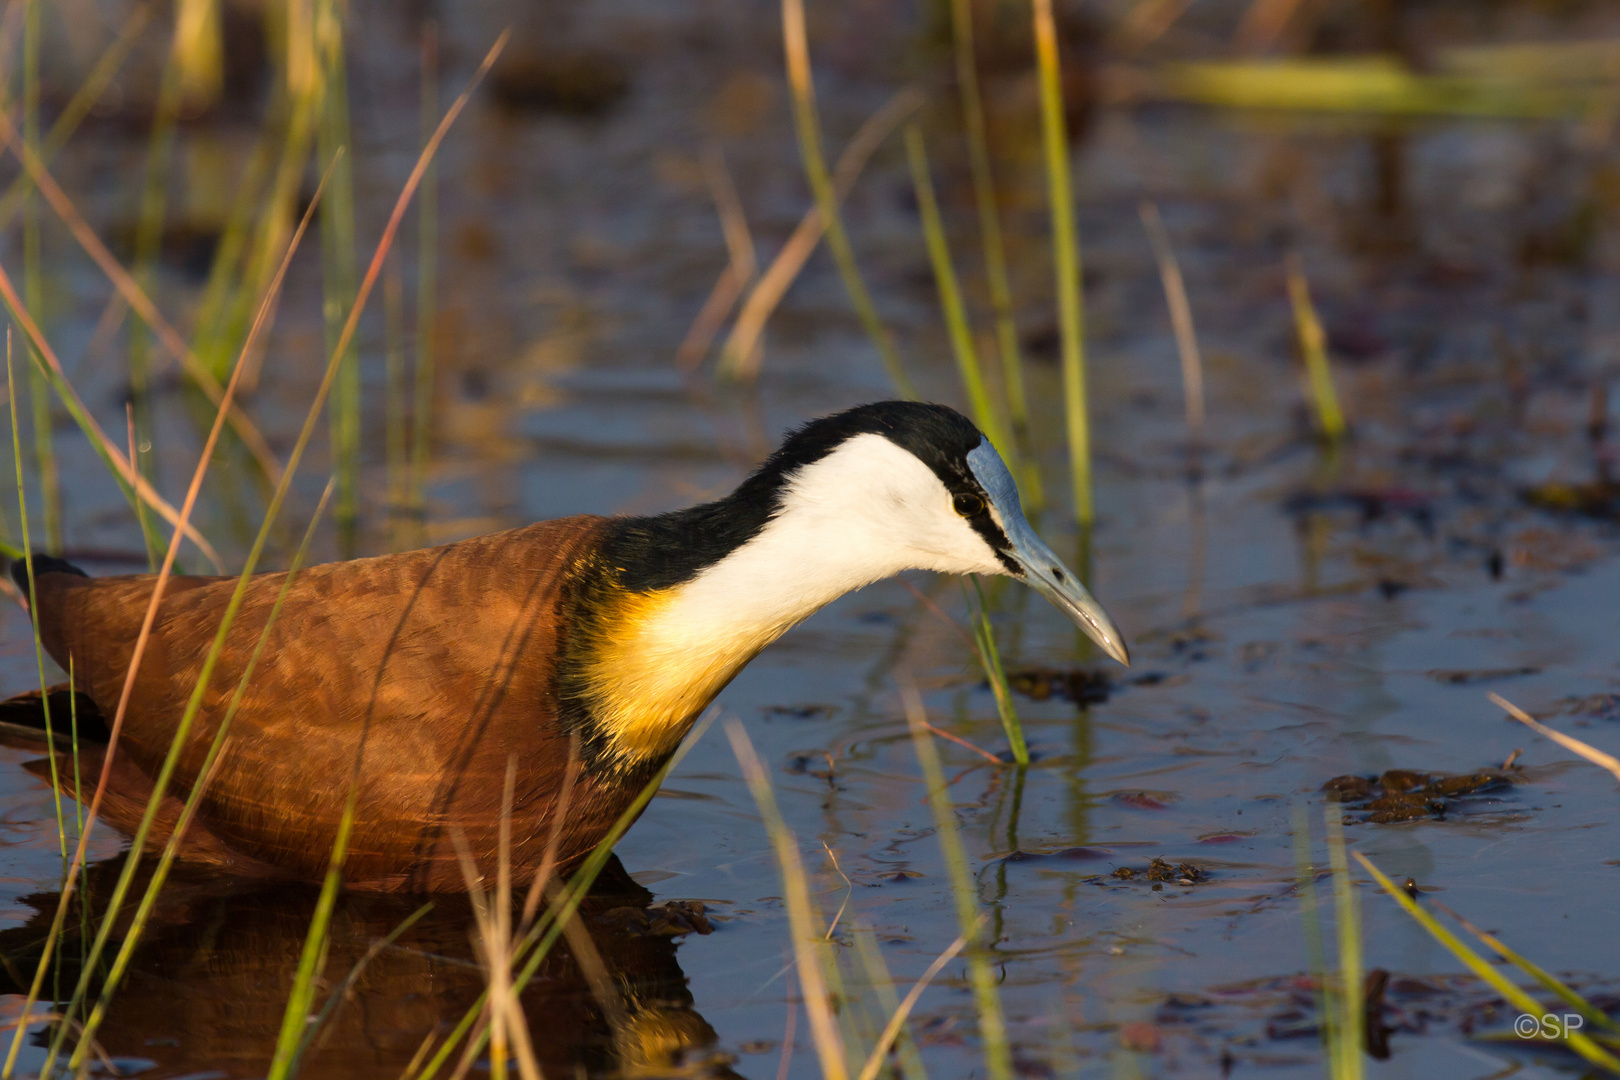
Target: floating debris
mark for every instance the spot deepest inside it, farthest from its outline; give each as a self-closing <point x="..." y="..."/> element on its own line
<point x="1407" y="795"/>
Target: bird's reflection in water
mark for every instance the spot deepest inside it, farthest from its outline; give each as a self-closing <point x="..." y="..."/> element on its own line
<point x="209" y="982"/>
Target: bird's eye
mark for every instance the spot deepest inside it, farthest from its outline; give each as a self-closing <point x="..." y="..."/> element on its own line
<point x="967" y="504"/>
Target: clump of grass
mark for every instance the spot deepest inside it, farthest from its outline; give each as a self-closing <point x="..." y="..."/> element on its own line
<point x="1066" y="262"/>
<point x="808" y="125"/>
<point x="1323" y="397"/>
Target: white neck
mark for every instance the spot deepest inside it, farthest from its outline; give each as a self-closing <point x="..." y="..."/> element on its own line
<point x="863" y="513"/>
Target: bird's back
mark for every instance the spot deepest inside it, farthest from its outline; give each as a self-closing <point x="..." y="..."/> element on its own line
<point x="431" y="670"/>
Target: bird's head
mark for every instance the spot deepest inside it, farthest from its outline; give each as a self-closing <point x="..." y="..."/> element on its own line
<point x="901" y="485"/>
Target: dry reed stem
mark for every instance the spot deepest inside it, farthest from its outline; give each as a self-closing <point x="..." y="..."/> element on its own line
<point x="548" y="860"/>
<point x="141" y="641"/>
<point x="78" y="107"/>
<point x="891" y="1031"/>
<point x="544" y="933"/>
<point x="1145" y="23"/>
<point x="959" y="741"/>
<point x="807" y="125"/>
<point x="1590" y="753"/>
<point x="137" y="299"/>
<point x="741" y="267"/>
<point x="1262" y="23"/>
<point x="741" y="355"/>
<point x="1175" y="295"/>
<point x="210" y="765"/>
<point x="796" y="895"/>
<point x="106" y="447"/>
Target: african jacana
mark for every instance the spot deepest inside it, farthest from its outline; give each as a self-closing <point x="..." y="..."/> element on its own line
<point x="434" y="668"/>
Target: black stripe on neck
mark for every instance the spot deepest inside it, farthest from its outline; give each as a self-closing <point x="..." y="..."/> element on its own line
<point x="649" y="553"/>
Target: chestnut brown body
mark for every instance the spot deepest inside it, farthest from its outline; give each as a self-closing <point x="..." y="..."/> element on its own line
<point x="419" y="676"/>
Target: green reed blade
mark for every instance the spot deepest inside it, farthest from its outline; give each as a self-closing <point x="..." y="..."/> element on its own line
<point x="395" y="451"/>
<point x="992" y="1025"/>
<point x="808" y="944"/>
<point x="1310" y="917"/>
<point x="1349" y="1028"/>
<point x="984" y="638"/>
<point x="312" y="959"/>
<point x="1313" y="348"/>
<point x="79" y="105"/>
<point x="338" y="270"/>
<point x="808" y="126"/>
<point x="950" y="300"/>
<point x="340" y="993"/>
<point x="50" y="481"/>
<point x="193" y="801"/>
<point x="1066" y="261"/>
<point x="427" y="300"/>
<point x="1547" y="979"/>
<point x="544" y="933"/>
<point x="148" y="246"/>
<point x="995" y="257"/>
<point x="33" y="607"/>
<point x="238" y="594"/>
<point x="880" y="979"/>
<point x="1578" y="1041"/>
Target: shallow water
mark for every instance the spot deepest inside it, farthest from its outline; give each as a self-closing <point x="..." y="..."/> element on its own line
<point x="1294" y="617"/>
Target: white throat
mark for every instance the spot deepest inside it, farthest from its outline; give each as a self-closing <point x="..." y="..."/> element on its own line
<point x="865" y="512"/>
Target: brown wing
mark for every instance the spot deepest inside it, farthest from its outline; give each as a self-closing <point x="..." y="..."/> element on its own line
<point x="429" y="670"/>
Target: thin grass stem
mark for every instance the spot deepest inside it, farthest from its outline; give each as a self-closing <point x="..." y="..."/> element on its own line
<point x="807" y="942"/>
<point x="1349" y="1025"/>
<point x="33" y="610"/>
<point x="427" y="297"/>
<point x="984" y="640"/>
<point x="39" y="392"/>
<point x="1181" y="320"/>
<point x="741" y="354"/>
<point x="338" y="267"/>
<point x="194" y="704"/>
<point x="206" y="771"/>
<point x="1313" y="348"/>
<point x="1066" y="261"/>
<point x="950" y="299"/>
<point x="540" y="937"/>
<point x="808" y="125"/>
<point x="981" y="974"/>
<point x="312" y="958"/>
<point x="1570" y="743"/>
<point x="991" y="239"/>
